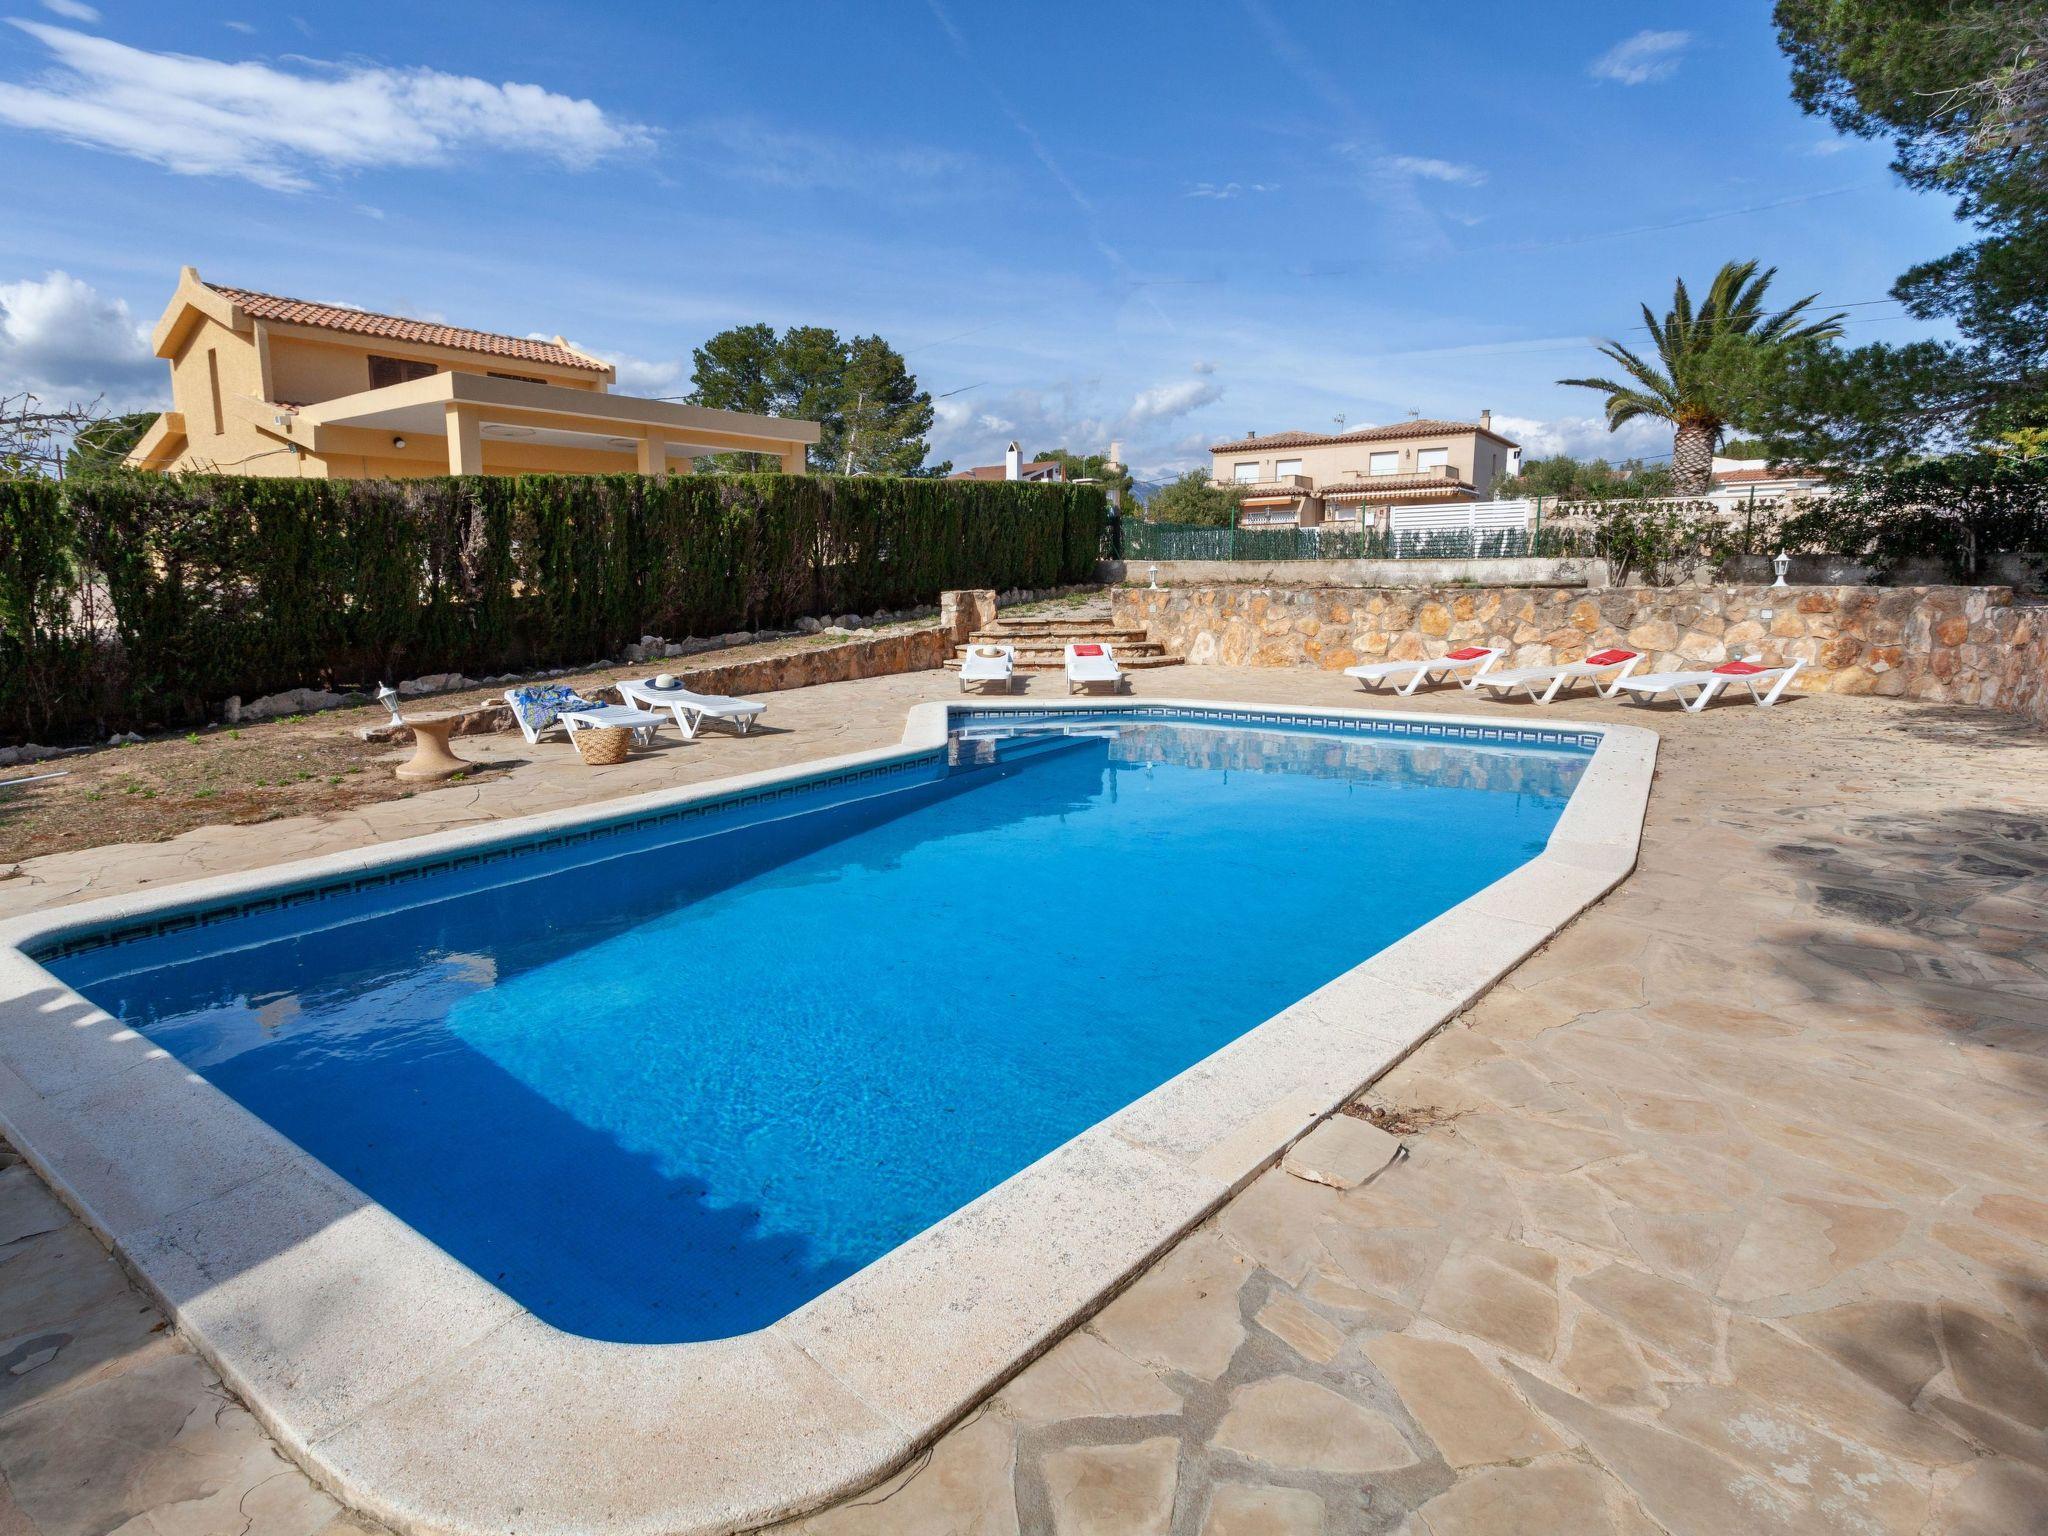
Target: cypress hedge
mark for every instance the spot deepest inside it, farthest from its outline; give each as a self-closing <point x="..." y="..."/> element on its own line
<point x="144" y="600"/>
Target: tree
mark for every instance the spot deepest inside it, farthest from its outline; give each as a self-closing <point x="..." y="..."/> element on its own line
<point x="886" y="416"/>
<point x="1707" y="360"/>
<point x="1096" y="466"/>
<point x="874" y="418"/>
<point x="1571" y="479"/>
<point x="104" y="445"/>
<point x="1194" y="498"/>
<point x="1835" y="408"/>
<point x="1960" y="87"/>
<point x="36" y="439"/>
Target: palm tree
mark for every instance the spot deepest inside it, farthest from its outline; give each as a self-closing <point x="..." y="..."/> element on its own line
<point x="1696" y="381"/>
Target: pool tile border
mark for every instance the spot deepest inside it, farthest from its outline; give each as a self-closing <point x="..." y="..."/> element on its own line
<point x="423" y="1396"/>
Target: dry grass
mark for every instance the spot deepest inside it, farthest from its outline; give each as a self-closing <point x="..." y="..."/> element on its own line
<point x="157" y="789"/>
<point x="306" y="765"/>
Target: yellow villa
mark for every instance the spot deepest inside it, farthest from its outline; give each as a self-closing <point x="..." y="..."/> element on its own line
<point x="264" y="385"/>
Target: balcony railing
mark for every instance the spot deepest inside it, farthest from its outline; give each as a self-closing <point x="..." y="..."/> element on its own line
<point x="1279" y="485"/>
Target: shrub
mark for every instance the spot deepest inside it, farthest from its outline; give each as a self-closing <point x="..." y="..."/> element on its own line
<point x="205" y="586"/>
<point x="1960" y="509"/>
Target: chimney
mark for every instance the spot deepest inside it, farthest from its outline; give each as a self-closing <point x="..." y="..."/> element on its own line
<point x="1013" y="462"/>
<point x="1116" y="455"/>
<point x="1486" y="421"/>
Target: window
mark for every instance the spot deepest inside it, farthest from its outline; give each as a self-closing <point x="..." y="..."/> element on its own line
<point x="1342" y="512"/>
<point x="1386" y="463"/>
<point x="1287" y="467"/>
<point x="397" y="370"/>
<point x="213" y="386"/>
<point x="1245" y="474"/>
<point x="1428" y="459"/>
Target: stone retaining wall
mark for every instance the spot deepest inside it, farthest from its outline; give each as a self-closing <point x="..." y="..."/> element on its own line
<point x="1963" y="645"/>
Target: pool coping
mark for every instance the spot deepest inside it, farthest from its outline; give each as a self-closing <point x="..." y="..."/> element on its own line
<point x="421" y="1395"/>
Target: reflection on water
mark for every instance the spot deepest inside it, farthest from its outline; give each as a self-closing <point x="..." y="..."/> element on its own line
<point x="1508" y="770"/>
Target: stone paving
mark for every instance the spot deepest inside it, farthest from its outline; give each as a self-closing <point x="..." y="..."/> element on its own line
<point x="1727" y="1212"/>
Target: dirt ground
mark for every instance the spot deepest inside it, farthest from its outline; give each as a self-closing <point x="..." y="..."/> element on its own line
<point x="299" y="765"/>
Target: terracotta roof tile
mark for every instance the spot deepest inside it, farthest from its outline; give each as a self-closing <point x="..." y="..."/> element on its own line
<point x="1753" y="476"/>
<point x="363" y="322"/>
<point x="1395" y="488"/>
<point x="1395" y="429"/>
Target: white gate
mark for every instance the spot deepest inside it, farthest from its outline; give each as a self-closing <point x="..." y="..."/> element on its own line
<point x="1460" y="529"/>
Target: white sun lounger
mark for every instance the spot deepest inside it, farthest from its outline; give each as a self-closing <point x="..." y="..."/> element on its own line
<point x="1472" y="658"/>
<point x="692" y="709"/>
<point x="1560" y="676"/>
<point x="989" y="664"/>
<point x="1092" y="663"/>
<point x="1712" y="681"/>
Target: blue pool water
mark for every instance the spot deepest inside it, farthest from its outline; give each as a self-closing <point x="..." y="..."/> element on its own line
<point x="671" y="1083"/>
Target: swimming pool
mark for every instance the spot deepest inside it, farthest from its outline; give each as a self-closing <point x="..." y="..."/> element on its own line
<point x="672" y="1086"/>
<point x="436" y="1386"/>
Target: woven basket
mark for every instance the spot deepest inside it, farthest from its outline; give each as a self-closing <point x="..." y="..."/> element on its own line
<point x="603" y="745"/>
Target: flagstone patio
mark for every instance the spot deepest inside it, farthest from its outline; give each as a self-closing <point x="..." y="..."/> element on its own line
<point x="1727" y="1212"/>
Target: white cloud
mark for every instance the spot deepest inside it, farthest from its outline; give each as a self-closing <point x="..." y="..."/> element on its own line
<point x="1435" y="170"/>
<point x="280" y="128"/>
<point x="745" y="149"/>
<point x="246" y="28"/>
<point x="1071" y="415"/>
<point x="1224" y="191"/>
<point x="1168" y="402"/>
<point x="648" y="376"/>
<point x="64" y="340"/>
<point x="1640" y="59"/>
<point x="72" y="10"/>
<point x="1831" y="146"/>
<point x="1585" y="437"/>
<point x="635" y="375"/>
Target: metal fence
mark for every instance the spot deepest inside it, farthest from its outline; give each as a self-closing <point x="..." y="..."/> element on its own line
<point x="1181" y="541"/>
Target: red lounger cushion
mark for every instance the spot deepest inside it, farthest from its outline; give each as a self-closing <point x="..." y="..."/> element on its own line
<point x="1741" y="668"/>
<point x="1610" y="658"/>
<point x="1470" y="653"/>
<point x="1087" y="650"/>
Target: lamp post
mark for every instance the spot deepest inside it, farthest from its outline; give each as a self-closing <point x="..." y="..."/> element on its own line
<point x="388" y="697"/>
<point x="1154" y="570"/>
<point x="1781" y="563"/>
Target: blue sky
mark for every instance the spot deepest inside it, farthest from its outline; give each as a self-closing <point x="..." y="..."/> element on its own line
<point x="1165" y="224"/>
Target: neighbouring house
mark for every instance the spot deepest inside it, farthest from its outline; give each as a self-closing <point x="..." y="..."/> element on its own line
<point x="1013" y="467"/>
<point x="264" y="385"/>
<point x="1741" y="483"/>
<point x="1353" y="479"/>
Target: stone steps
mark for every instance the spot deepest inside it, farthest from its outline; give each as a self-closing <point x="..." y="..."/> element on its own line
<point x="1063" y="629"/>
<point x="1040" y="642"/>
<point x="1050" y="655"/>
<point x="1057" y="662"/>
